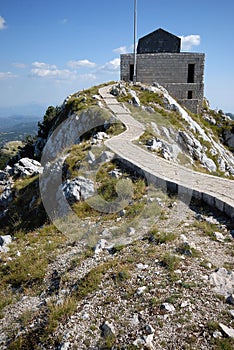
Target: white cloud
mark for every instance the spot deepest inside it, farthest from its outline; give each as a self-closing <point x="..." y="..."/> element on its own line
<point x="81" y="63"/>
<point x="45" y="70"/>
<point x="121" y="50"/>
<point x="42" y="65"/>
<point x="52" y="73"/>
<point x="187" y="42"/>
<point x="6" y="75"/>
<point x="87" y="77"/>
<point x="124" y="49"/>
<point x="111" y="66"/>
<point x="19" y="65"/>
<point x="2" y="23"/>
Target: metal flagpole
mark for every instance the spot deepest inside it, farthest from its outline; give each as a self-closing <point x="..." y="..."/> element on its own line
<point x="135" y="42"/>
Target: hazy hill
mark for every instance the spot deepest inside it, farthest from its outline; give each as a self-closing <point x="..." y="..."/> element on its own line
<point x="17" y="127"/>
<point x="32" y="109"/>
<point x="14" y="121"/>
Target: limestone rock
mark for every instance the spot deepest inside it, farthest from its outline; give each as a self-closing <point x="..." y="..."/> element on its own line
<point x="6" y="196"/>
<point x="189" y="141"/>
<point x="219" y="236"/>
<point x="223" y="281"/>
<point x="27" y="167"/>
<point x="217" y="334"/>
<point x="155" y="144"/>
<point x="91" y="157"/>
<point x="231" y="313"/>
<point x="141" y="266"/>
<point x="167" y="307"/>
<point x="3" y="175"/>
<point x="141" y="290"/>
<point x="96" y="97"/>
<point x="118" y="90"/>
<point x="149" y="329"/>
<point x="3" y="213"/>
<point x="106" y="156"/>
<point x="195" y="149"/>
<point x="139" y="342"/>
<point x="4" y="242"/>
<point x="222" y="164"/>
<point x="230" y="299"/>
<point x="228" y="138"/>
<point x="208" y="163"/>
<point x="149" y="341"/>
<point x="115" y="173"/>
<point x="135" y="99"/>
<point x="209" y="119"/>
<point x="107" y="330"/>
<point x="78" y="189"/>
<point x="100" y="136"/>
<point x="148" y="109"/>
<point x="228" y="331"/>
<point x="101" y="244"/>
<point x="131" y="231"/>
<point x="65" y="346"/>
<point x="106" y="233"/>
<point x="115" y="91"/>
<point x="135" y="320"/>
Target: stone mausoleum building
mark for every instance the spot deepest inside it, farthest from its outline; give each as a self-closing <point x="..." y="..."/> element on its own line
<point x="159" y="60"/>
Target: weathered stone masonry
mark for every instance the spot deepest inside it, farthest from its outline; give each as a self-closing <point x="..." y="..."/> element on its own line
<point x="182" y="74"/>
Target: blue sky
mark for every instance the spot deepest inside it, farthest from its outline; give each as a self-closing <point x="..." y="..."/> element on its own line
<point x="52" y="48"/>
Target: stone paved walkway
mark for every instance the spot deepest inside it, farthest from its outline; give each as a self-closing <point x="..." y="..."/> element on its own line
<point x="216" y="191"/>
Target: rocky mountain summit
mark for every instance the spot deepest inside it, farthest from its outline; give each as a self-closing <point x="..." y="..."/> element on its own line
<point x="92" y="256"/>
<point x="183" y="138"/>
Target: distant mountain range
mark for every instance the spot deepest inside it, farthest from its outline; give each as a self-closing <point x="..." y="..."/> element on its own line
<point x="32" y="109"/>
<point x="17" y="122"/>
<point x="17" y="127"/>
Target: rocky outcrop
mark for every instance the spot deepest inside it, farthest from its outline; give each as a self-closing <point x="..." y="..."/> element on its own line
<point x="118" y="90"/>
<point x="228" y="331"/>
<point x="194" y="142"/>
<point x="165" y="149"/>
<point x="223" y="281"/>
<point x="4" y="242"/>
<point x="3" y="176"/>
<point x="228" y="136"/>
<point x="151" y="293"/>
<point x="78" y="189"/>
<point x="27" y="167"/>
<point x="99" y="137"/>
<point x="6" y="196"/>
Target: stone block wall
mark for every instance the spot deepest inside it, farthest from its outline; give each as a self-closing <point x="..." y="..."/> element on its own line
<point x="185" y="193"/>
<point x="171" y="71"/>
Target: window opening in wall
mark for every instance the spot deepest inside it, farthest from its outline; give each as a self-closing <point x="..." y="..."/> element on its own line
<point x="191" y="70"/>
<point x="190" y="95"/>
<point x="131" y="73"/>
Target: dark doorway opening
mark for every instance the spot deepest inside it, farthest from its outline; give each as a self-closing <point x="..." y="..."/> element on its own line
<point x="131" y="72"/>
<point x="191" y="71"/>
<point x="190" y="95"/>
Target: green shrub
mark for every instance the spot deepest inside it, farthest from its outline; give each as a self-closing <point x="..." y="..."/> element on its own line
<point x="185" y="249"/>
<point x="170" y="262"/>
<point x="161" y="237"/>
